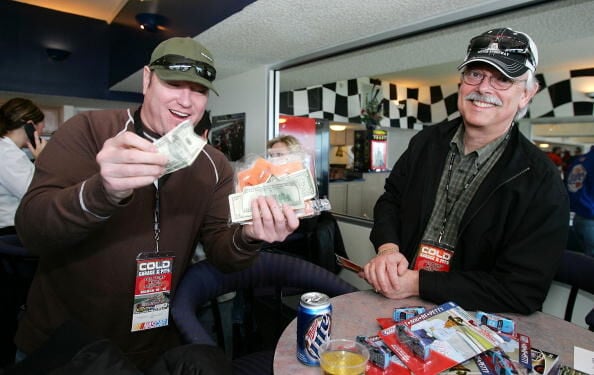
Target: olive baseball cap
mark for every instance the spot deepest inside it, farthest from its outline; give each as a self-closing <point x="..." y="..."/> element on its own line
<point x="184" y="59"/>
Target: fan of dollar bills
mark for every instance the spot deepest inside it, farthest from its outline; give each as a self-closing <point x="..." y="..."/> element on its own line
<point x="181" y="145"/>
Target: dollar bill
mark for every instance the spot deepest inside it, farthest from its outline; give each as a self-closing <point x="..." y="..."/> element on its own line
<point x="304" y="181"/>
<point x="181" y="145"/>
<point x="285" y="192"/>
<point x="236" y="209"/>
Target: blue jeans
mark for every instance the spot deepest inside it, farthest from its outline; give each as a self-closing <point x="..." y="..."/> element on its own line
<point x="584" y="230"/>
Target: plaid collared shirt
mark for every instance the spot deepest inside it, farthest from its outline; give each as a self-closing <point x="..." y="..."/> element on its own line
<point x="467" y="174"/>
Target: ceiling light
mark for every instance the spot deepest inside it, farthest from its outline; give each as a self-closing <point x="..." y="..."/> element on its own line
<point x="150" y="21"/>
<point x="337" y="128"/>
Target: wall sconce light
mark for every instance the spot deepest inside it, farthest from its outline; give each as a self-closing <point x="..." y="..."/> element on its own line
<point x="56" y="54"/>
<point x="152" y="22"/>
<point x="339" y="152"/>
<point x="337" y="128"/>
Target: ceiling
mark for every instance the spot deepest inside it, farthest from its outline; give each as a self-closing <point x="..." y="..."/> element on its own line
<point x="105" y="10"/>
<point x="283" y="33"/>
<point x="274" y="32"/>
<point x="280" y="32"/>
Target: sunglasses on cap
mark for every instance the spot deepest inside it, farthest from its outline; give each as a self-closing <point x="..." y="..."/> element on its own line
<point x="182" y="64"/>
<point x="505" y="43"/>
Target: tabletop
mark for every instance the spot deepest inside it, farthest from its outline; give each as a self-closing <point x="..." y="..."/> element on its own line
<point x="355" y="313"/>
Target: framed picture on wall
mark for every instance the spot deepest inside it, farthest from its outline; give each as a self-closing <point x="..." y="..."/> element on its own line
<point x="228" y="135"/>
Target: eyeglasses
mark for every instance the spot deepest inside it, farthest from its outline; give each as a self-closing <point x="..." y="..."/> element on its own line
<point x="505" y="43"/>
<point x="181" y="64"/>
<point x="500" y="82"/>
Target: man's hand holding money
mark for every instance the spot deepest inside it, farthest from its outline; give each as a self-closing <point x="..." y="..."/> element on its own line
<point x="128" y="161"/>
<point x="271" y="222"/>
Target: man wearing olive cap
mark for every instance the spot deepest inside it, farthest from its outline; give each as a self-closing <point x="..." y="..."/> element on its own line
<point x="105" y="224"/>
<point x="473" y="212"/>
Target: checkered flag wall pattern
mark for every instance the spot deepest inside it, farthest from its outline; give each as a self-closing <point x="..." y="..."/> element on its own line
<point x="413" y="108"/>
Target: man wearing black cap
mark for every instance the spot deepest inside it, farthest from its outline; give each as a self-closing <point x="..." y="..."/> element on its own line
<point x="113" y="234"/>
<point x="473" y="212"/>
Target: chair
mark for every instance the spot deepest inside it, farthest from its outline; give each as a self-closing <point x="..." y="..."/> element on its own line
<point x="202" y="283"/>
<point x="17" y="267"/>
<point x="576" y="270"/>
<point x="317" y="240"/>
<point x="590" y="320"/>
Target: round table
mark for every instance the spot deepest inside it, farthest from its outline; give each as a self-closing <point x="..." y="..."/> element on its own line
<point x="355" y="313"/>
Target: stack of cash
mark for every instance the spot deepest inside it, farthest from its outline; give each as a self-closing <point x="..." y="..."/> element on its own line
<point x="292" y="189"/>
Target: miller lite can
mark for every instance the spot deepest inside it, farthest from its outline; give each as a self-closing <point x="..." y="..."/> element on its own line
<point x="314" y="323"/>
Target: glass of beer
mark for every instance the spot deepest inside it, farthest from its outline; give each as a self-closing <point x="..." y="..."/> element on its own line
<point x="343" y="357"/>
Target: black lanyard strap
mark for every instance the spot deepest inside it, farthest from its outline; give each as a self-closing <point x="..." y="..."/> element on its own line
<point x="138" y="129"/>
<point x="448" y="212"/>
<point x="469" y="181"/>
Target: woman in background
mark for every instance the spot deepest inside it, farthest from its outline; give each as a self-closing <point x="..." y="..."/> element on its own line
<point x="318" y="238"/>
<point x="17" y="170"/>
<point x="282" y="145"/>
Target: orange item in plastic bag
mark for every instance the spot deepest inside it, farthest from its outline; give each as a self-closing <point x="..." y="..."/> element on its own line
<point x="259" y="173"/>
<point x="279" y="170"/>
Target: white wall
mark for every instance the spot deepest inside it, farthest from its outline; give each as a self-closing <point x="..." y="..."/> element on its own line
<point x="557" y="298"/>
<point x="398" y="140"/>
<point x="358" y="248"/>
<point x="245" y="93"/>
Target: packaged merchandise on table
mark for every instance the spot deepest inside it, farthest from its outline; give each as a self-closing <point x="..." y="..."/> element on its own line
<point x="438" y="339"/>
<point x="379" y="353"/>
<point x="382" y="361"/>
<point x="544" y="363"/>
<point x="403" y="313"/>
<point x="567" y="370"/>
<point x="496" y="322"/>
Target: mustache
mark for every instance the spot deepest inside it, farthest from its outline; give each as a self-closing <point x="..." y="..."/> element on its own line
<point x="483" y="98"/>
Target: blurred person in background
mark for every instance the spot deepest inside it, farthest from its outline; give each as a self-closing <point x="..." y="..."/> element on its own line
<point x="580" y="186"/>
<point x="282" y="145"/>
<point x="204" y="126"/>
<point x="17" y="170"/>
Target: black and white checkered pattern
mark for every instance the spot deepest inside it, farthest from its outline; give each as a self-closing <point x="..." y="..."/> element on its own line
<point x="412" y="108"/>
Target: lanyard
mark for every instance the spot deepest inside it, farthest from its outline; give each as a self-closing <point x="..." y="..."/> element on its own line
<point x="156" y="223"/>
<point x="447" y="212"/>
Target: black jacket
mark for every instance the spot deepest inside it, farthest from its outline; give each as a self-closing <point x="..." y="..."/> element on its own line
<point x="511" y="236"/>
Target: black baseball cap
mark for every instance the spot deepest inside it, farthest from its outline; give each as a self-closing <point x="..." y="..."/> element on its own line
<point x="513" y="53"/>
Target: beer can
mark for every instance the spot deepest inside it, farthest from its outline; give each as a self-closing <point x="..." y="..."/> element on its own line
<point x="314" y="323"/>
